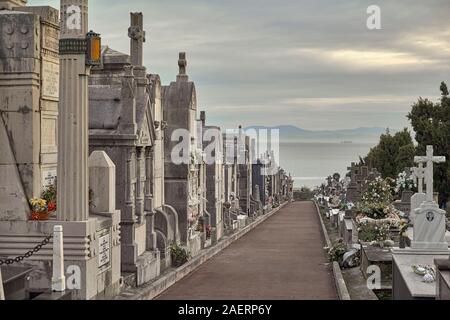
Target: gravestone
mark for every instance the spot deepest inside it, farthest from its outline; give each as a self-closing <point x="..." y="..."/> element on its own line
<point x="429" y="220"/>
<point x="102" y="181"/>
<point x="183" y="187"/>
<point x="428" y="241"/>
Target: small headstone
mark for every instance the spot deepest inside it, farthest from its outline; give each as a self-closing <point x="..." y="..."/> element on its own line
<point x="102" y="182"/>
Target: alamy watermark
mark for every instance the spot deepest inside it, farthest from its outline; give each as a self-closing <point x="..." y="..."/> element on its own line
<point x="235" y="146"/>
<point x="374" y="277"/>
<point x="73" y="21"/>
<point x="374" y="19"/>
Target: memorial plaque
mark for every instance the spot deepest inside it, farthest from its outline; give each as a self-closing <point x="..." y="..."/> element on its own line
<point x="50" y="79"/>
<point x="104" y="250"/>
<point x="51" y="38"/>
<point x="48" y="177"/>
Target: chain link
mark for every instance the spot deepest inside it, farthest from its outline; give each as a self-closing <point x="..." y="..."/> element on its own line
<point x="27" y="255"/>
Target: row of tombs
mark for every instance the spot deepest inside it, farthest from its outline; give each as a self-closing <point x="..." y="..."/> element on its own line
<point x="91" y="148"/>
<point x="393" y="235"/>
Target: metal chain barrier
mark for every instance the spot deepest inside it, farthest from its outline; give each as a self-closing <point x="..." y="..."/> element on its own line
<point x="28" y="254"/>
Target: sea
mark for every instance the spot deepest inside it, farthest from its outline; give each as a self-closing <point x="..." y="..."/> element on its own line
<point x="310" y="163"/>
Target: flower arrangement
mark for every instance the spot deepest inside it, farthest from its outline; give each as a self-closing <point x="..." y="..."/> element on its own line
<point x="39" y="209"/>
<point x="43" y="207"/>
<point x="428" y="273"/>
<point x="346" y="206"/>
<point x="49" y="195"/>
<point x="374" y="233"/>
<point x="374" y="210"/>
<point x="337" y="251"/>
<point x="375" y="199"/>
<point x="404" y="182"/>
<point x="378" y="191"/>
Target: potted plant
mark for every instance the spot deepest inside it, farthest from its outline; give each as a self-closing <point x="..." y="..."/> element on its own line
<point x="49" y="195"/>
<point x="39" y="209"/>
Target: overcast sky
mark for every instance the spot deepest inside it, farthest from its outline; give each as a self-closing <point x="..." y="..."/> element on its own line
<point x="309" y="63"/>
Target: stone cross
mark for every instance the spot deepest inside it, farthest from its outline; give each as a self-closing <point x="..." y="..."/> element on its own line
<point x="419" y="175"/>
<point x="137" y="35"/>
<point x="430" y="160"/>
<point x="182" y="63"/>
<point x="58" y="278"/>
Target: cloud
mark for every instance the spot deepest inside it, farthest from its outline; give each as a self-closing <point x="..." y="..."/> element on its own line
<point x="310" y="63"/>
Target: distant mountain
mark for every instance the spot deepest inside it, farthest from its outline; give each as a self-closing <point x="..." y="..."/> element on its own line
<point x="295" y="134"/>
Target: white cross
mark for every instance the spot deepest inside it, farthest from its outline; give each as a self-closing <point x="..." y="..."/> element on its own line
<point x="419" y="175"/>
<point x="429" y="159"/>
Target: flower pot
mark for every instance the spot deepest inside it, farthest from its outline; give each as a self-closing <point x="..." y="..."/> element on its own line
<point x="40" y="216"/>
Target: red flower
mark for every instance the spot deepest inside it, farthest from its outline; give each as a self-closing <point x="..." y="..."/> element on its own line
<point x="52" y="206"/>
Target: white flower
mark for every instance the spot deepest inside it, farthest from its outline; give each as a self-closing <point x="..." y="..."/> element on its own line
<point x="428" y="278"/>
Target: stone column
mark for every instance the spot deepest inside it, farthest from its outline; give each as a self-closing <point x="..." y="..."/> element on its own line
<point x="140" y="184"/>
<point x="130" y="211"/>
<point x="73" y="144"/>
<point x="148" y="202"/>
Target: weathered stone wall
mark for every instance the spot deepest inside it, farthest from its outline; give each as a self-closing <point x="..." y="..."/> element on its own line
<point x="29" y="93"/>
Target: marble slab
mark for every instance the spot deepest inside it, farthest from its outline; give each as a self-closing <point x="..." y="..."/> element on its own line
<point x="413" y="282"/>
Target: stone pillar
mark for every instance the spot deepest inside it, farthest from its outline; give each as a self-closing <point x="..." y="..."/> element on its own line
<point x="140" y="183"/>
<point x="149" y="154"/>
<point x="129" y="214"/>
<point x="2" y="293"/>
<point x="102" y="182"/>
<point x="73" y="144"/>
<point x="148" y="202"/>
<point x="58" y="278"/>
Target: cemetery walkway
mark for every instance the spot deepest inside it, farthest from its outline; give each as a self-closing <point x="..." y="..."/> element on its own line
<point x="283" y="258"/>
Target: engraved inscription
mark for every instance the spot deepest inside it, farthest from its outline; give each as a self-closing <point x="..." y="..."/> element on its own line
<point x="51" y="38"/>
<point x="103" y="250"/>
<point x="50" y="80"/>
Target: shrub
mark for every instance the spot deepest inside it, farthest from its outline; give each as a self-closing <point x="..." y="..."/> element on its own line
<point x="179" y="255"/>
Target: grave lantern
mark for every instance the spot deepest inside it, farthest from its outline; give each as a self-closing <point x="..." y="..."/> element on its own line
<point x="93" y="52"/>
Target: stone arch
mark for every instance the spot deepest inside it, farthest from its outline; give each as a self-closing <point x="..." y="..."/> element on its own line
<point x="172" y="216"/>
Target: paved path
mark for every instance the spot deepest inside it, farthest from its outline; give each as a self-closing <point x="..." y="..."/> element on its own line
<point x="283" y="258"/>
